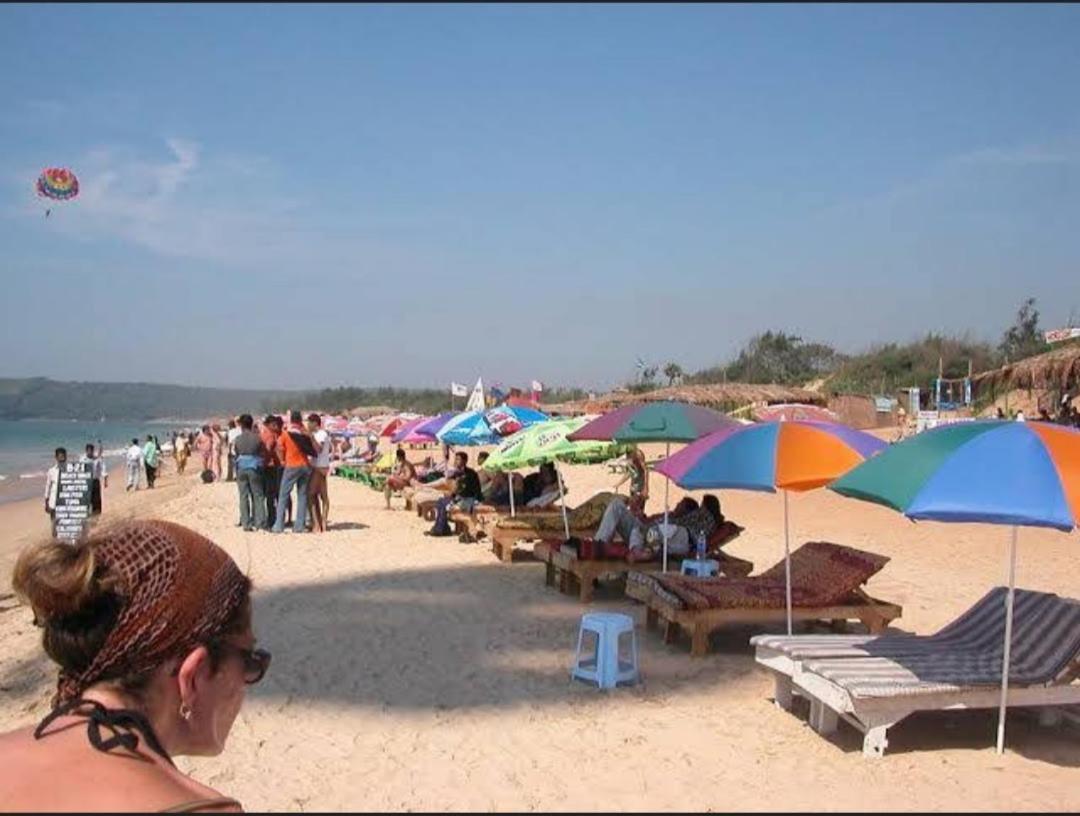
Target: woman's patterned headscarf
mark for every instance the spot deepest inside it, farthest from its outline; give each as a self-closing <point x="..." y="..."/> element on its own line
<point x="177" y="589"/>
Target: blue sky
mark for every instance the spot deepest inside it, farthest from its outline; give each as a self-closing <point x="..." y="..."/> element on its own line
<point x="299" y="196"/>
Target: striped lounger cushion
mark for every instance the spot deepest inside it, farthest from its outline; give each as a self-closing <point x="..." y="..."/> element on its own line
<point x="981" y="626"/>
<point x="1044" y="648"/>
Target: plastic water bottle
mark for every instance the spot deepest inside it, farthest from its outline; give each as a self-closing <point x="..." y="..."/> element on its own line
<point x="700" y="545"/>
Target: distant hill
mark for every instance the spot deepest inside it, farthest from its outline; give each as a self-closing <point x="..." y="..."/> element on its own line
<point x="39" y="397"/>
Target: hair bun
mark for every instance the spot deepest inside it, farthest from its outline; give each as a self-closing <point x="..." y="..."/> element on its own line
<point x="57" y="579"/>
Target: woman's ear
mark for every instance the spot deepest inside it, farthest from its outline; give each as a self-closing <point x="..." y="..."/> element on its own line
<point x="193" y="673"/>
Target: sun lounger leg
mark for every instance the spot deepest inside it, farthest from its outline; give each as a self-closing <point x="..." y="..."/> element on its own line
<point x="671" y="631"/>
<point x="874" y="743"/>
<point x="782" y="694"/>
<point x="699" y="641"/>
<point x="822" y="718"/>
<point x="651" y="618"/>
<point x="585" y="589"/>
<point x="549" y="574"/>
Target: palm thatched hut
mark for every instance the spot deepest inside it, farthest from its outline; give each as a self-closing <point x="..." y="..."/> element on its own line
<point x="1054" y="373"/>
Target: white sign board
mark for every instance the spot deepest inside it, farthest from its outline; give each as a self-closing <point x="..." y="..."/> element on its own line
<point x="73" y="501"/>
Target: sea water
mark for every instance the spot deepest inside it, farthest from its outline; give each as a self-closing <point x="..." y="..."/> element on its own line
<point x="27" y="445"/>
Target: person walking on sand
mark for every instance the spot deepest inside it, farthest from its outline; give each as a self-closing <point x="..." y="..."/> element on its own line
<point x="151" y="458"/>
<point x="297" y="450"/>
<point x="99" y="477"/>
<point x="217" y="446"/>
<point x="133" y="460"/>
<point x="204" y="444"/>
<point x="52" y="485"/>
<point x="318" y="490"/>
<point x="181" y="451"/>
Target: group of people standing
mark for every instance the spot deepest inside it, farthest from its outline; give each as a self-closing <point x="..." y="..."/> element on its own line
<point x="271" y="463"/>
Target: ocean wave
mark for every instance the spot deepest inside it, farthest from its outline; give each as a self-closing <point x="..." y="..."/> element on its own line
<point x="32" y="475"/>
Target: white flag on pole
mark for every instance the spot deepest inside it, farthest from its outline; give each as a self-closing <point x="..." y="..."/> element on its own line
<point x="459" y="390"/>
<point x="476" y="399"/>
<point x="537" y="385"/>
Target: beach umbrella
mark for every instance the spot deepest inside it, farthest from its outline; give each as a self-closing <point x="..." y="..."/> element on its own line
<point x="663" y="421"/>
<point x="770" y="456"/>
<point x="1020" y="474"/>
<point x="548" y="442"/>
<point x="473" y="427"/>
<point x="403" y="430"/>
<point x="426" y="431"/>
<point x="394" y="422"/>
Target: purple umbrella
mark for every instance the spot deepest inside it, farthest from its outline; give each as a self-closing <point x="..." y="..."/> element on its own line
<point x="400" y="434"/>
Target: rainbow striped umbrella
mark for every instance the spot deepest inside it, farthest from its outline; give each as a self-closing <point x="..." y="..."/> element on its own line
<point x="993" y="471"/>
<point x="798" y="455"/>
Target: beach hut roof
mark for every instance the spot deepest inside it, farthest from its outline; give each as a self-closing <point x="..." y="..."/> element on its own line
<point x="1058" y="369"/>
<point x="722" y="396"/>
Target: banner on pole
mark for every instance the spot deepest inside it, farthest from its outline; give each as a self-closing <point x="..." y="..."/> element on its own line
<point x="476" y="399"/>
<point x="458" y="390"/>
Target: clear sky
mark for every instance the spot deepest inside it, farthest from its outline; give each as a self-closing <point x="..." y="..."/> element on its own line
<point x="300" y="196"/>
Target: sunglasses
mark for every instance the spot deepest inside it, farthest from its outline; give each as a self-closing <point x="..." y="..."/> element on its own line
<point x="256" y="662"/>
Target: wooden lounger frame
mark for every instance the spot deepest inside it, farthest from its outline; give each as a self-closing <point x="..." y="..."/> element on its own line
<point x="873" y="716"/>
<point x="700" y="623"/>
<point x="567" y="572"/>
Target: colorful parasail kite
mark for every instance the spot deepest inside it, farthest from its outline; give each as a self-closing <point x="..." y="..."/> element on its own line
<point x="58" y="184"/>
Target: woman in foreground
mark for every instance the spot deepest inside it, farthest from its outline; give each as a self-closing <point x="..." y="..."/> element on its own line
<point x="150" y="624"/>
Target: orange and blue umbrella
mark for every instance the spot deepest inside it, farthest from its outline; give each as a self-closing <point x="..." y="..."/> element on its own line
<point x="1021" y="474"/>
<point x="787" y="455"/>
<point x="798" y="455"/>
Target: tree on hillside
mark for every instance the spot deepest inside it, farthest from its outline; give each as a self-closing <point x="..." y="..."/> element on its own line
<point x="775" y="357"/>
<point x="673" y="372"/>
<point x="1023" y="338"/>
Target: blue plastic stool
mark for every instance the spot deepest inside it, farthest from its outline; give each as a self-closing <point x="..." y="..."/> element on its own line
<point x="703" y="568"/>
<point x="605" y="667"/>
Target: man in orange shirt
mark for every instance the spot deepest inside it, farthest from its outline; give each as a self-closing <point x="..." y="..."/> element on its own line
<point x="296" y="449"/>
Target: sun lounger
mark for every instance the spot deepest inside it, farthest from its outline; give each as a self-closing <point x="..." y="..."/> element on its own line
<point x="571" y="573"/>
<point x="982" y="626"/>
<point x="826" y="585"/>
<point x="530" y="525"/>
<point x="875" y="693"/>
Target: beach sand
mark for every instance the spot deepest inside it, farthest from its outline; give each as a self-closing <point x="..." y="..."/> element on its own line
<point x="416" y="673"/>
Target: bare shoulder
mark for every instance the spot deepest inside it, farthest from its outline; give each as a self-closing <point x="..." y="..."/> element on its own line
<point x="93" y="780"/>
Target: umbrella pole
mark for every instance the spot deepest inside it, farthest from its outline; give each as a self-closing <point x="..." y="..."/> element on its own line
<point x="562" y="500"/>
<point x="787" y="563"/>
<point x="667" y="488"/>
<point x="1008" y="643"/>
<point x="510" y="477"/>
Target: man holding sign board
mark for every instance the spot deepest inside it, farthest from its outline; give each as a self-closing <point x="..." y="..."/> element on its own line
<point x="67" y="496"/>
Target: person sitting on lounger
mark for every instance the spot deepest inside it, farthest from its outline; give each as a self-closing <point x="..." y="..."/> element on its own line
<point x="684" y="526"/>
<point x="401" y="477"/>
<point x="466" y="494"/>
<point x="543" y="491"/>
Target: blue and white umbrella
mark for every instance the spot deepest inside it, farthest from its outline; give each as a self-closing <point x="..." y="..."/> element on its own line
<point x="474" y="427"/>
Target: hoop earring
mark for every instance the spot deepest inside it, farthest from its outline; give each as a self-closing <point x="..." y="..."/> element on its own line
<point x="185" y="711"/>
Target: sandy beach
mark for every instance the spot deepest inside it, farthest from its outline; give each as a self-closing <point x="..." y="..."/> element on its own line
<point x="416" y="673"/>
